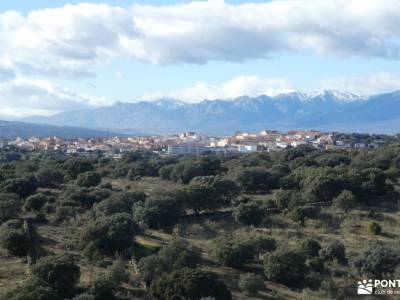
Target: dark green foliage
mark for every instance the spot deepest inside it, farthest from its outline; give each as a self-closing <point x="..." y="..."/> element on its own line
<point x="334" y="251"/>
<point x="103" y="287"/>
<point x="298" y="215"/>
<point x="158" y="211"/>
<point x="83" y="197"/>
<point x="49" y="177"/>
<point x="310" y="247"/>
<point x="249" y="213"/>
<point x="345" y="201"/>
<point x="375" y="228"/>
<point x="287" y="267"/>
<point x="109" y="235"/>
<point x="251" y="283"/>
<point x="316" y="264"/>
<point x="23" y="187"/>
<point x="200" y="196"/>
<point x="35" y="202"/>
<point x="235" y="252"/>
<point x="285" y="199"/>
<point x="33" y="290"/>
<point x="174" y="256"/>
<point x="121" y="202"/>
<point x="14" y="238"/>
<point x="10" y="206"/>
<point x="118" y="272"/>
<point x="190" y="284"/>
<point x="88" y="179"/>
<point x="254" y="180"/>
<point x="73" y="167"/>
<point x="377" y="262"/>
<point x="84" y="296"/>
<point x="59" y="272"/>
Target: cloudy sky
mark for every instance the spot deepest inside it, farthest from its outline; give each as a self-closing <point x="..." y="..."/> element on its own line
<point x="58" y="55"/>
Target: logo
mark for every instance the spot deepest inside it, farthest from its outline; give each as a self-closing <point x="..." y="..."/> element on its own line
<point x="365" y="287"/>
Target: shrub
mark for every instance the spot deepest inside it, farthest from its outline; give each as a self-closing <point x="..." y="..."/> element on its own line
<point x="118" y="272"/>
<point x="310" y="247"/>
<point x="14" y="238"/>
<point x="316" y="264"/>
<point x="88" y="179"/>
<point x="59" y="272"/>
<point x="23" y="187"/>
<point x="334" y="251"/>
<point x="345" y="201"/>
<point x="103" y="287"/>
<point x="49" y="178"/>
<point x="33" y="290"/>
<point x="189" y="284"/>
<point x="287" y="267"/>
<point x="251" y="283"/>
<point x="249" y="213"/>
<point x="298" y="215"/>
<point x="84" y="296"/>
<point x="35" y="202"/>
<point x="375" y="228"/>
<point x="377" y="261"/>
<point x="10" y="206"/>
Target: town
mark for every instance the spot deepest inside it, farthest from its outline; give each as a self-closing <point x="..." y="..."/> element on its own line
<point x="192" y="143"/>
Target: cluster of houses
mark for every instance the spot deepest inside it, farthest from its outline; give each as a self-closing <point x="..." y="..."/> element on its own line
<point x="190" y="143"/>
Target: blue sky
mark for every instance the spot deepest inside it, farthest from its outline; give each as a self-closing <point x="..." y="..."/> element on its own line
<point x="92" y="55"/>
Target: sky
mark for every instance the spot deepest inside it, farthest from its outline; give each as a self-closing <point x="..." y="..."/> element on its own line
<point x="60" y="55"/>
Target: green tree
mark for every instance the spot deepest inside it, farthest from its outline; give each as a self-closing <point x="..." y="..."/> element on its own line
<point x="14" y="238"/>
<point x="88" y="179"/>
<point x="33" y="290"/>
<point x="287" y="267"/>
<point x="377" y="261"/>
<point x="345" y="201"/>
<point x="251" y="283"/>
<point x="35" y="202"/>
<point x="249" y="213"/>
<point x="375" y="228"/>
<point x="334" y="251"/>
<point x="10" y="206"/>
<point x="48" y="177"/>
<point x="298" y="215"/>
<point x="59" y="272"/>
<point x="189" y="284"/>
<point x="310" y="247"/>
<point x="23" y="187"/>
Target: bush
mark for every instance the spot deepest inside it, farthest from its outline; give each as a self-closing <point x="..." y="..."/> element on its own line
<point x="14" y="238"/>
<point x="109" y="235"/>
<point x="33" y="290"/>
<point x="49" y="178"/>
<point x="190" y="284"/>
<point x="249" y="213"/>
<point x="158" y="211"/>
<point x="298" y="215"/>
<point x="84" y="296"/>
<point x="23" y="187"/>
<point x="88" y="179"/>
<point x="377" y="261"/>
<point x="35" y="202"/>
<point x="251" y="283"/>
<point x="310" y="247"/>
<point x="10" y="206"/>
<point x="103" y="287"/>
<point x="59" y="272"/>
<point x="345" y="201"/>
<point x="316" y="264"/>
<point x="287" y="267"/>
<point x="118" y="272"/>
<point x="375" y="228"/>
<point x="334" y="251"/>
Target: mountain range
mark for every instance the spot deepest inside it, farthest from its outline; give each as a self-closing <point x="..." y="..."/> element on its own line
<point x="326" y="110"/>
<point x="10" y="129"/>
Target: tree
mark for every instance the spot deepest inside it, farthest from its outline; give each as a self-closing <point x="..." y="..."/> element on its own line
<point x="298" y="215"/>
<point x="256" y="179"/>
<point x="377" y="261"/>
<point x="73" y="167"/>
<point x="345" y="201"/>
<point x="33" y="290"/>
<point x="50" y="178"/>
<point x="109" y="235"/>
<point x="334" y="251"/>
<point x="190" y="284"/>
<point x="103" y="287"/>
<point x="23" y="187"/>
<point x="249" y="213"/>
<point x="375" y="228"/>
<point x="198" y="196"/>
<point x="10" y="206"/>
<point x="287" y="267"/>
<point x="14" y="238"/>
<point x="35" y="202"/>
<point x="59" y="272"/>
<point x="158" y="211"/>
<point x="251" y="283"/>
<point x="310" y="247"/>
<point x="88" y="179"/>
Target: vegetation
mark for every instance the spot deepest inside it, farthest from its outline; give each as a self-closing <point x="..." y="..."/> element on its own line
<point x="296" y="224"/>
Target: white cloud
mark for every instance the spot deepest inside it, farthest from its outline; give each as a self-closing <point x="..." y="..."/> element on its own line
<point x="71" y="40"/>
<point x="368" y="84"/>
<point x="21" y="97"/>
<point x="239" y="86"/>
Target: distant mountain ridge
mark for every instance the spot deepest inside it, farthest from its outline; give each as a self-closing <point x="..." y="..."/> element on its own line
<point x="11" y="129"/>
<point x="327" y="110"/>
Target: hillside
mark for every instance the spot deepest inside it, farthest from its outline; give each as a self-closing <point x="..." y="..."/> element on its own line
<point x="12" y="129"/>
<point x="328" y="110"/>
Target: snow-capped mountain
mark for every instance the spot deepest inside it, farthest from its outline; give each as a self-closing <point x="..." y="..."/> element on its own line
<point x="326" y="110"/>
